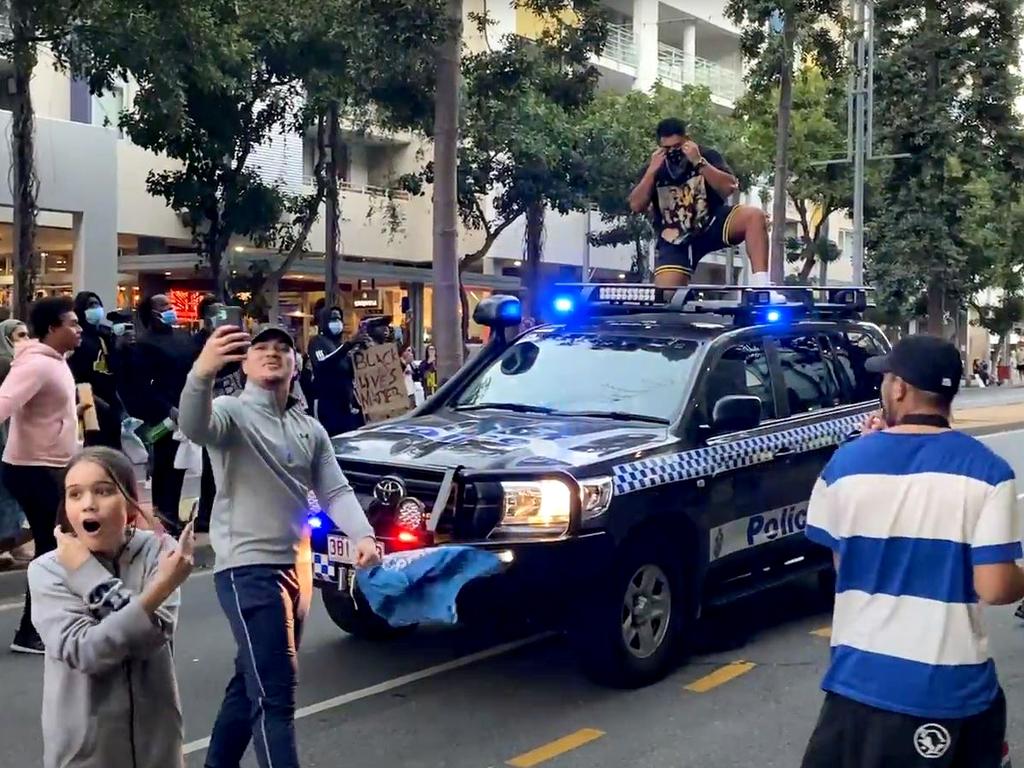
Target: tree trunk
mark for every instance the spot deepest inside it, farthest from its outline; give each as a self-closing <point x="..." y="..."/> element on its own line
<point x="25" y="259"/>
<point x="778" y="249"/>
<point x="936" y="307"/>
<point x="534" y="254"/>
<point x="331" y="250"/>
<point x="446" y="322"/>
<point x="464" y="309"/>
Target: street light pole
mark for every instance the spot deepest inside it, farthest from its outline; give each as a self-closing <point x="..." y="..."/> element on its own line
<point x="860" y="138"/>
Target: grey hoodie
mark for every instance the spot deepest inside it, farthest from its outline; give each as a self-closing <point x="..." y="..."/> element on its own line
<point x="265" y="462"/>
<point x="109" y="693"/>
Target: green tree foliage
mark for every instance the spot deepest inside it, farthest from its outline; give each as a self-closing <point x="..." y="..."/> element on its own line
<point x="817" y="134"/>
<point x="777" y="34"/>
<point x="520" y="101"/>
<point x="216" y="78"/>
<point x="945" y="90"/>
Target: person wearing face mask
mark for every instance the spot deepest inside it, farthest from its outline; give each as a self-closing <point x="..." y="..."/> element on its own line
<point x="923" y="526"/>
<point x="160" y="362"/>
<point x="96" y="362"/>
<point x="686" y="188"/>
<point x="334" y="374"/>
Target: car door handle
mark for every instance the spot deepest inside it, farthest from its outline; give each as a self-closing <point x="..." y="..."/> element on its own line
<point x="783" y="452"/>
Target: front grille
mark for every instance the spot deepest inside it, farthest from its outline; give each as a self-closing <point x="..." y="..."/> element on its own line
<point x="423" y="484"/>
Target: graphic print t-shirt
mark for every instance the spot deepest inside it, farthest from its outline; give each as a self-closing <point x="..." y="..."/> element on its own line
<point x="684" y="205"/>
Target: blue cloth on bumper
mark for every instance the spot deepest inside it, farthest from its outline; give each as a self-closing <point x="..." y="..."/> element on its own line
<point x="420" y="586"/>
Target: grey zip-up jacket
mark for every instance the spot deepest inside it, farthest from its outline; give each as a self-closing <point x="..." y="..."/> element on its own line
<point x="265" y="462"/>
<point x="109" y="693"/>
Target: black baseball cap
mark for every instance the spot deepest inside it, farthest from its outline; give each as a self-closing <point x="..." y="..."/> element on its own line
<point x="268" y="330"/>
<point x="926" y="362"/>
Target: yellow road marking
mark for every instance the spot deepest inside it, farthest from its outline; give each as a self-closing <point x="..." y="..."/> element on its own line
<point x="720" y="676"/>
<point x="825" y="632"/>
<point x="555" y="748"/>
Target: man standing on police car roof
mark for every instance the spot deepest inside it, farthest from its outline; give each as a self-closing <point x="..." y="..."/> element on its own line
<point x="923" y="525"/>
<point x="267" y="455"/>
<point x="686" y="187"/>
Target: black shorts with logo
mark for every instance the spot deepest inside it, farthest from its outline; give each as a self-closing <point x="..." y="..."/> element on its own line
<point x="683" y="257"/>
<point x="853" y="735"/>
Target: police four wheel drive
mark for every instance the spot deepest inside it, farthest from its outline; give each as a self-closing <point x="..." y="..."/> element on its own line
<point x="647" y="453"/>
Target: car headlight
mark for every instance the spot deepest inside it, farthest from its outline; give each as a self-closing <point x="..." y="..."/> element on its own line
<point x="536" y="503"/>
<point x="595" y="496"/>
<point x="547" y="504"/>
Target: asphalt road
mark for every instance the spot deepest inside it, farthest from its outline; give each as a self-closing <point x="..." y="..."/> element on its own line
<point x="981" y="397"/>
<point x="749" y="696"/>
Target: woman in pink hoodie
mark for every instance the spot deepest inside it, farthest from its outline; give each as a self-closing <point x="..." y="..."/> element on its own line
<point x="38" y="397"/>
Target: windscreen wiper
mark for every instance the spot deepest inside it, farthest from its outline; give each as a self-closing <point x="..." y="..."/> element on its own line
<point x="517" y="407"/>
<point x="616" y="415"/>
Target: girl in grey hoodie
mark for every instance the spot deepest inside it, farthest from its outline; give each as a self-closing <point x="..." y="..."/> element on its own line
<point x="105" y="604"/>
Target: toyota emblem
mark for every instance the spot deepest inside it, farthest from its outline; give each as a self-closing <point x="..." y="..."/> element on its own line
<point x="389" y="490"/>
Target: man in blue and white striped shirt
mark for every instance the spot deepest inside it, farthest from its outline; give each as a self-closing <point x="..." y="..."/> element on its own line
<point x="923" y="524"/>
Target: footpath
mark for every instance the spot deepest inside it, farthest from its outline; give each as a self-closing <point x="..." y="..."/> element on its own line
<point x="976" y="420"/>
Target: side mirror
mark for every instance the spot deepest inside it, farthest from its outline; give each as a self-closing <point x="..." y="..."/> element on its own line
<point x="734" y="413"/>
<point x="498" y="312"/>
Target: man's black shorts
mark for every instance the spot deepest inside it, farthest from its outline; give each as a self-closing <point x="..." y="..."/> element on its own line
<point x="683" y="258"/>
<point x="853" y="735"/>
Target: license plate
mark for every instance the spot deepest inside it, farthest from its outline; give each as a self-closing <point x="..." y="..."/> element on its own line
<point x="341" y="549"/>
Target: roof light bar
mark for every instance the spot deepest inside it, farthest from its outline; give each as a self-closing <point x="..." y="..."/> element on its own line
<point x="634" y="294"/>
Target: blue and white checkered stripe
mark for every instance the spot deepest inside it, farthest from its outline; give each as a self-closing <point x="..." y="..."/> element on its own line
<point x="714" y="459"/>
<point x="323" y="569"/>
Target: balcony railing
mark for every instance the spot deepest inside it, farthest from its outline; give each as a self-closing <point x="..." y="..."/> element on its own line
<point x="371" y="190"/>
<point x="620" y="46"/>
<point x="678" y="69"/>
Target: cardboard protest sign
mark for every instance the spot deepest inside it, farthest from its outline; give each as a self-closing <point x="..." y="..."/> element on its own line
<point x="380" y="382"/>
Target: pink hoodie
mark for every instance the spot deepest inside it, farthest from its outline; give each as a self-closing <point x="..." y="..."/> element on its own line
<point x="38" y="396"/>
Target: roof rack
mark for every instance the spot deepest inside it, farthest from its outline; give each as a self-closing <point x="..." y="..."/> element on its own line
<point x="743" y="304"/>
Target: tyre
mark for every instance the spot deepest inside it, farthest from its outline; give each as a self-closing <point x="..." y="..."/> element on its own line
<point x="358" y="620"/>
<point x="630" y="634"/>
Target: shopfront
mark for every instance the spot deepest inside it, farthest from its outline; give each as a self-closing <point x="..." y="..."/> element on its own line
<point x="401" y="292"/>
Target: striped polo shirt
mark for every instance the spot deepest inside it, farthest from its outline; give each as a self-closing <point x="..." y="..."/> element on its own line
<point x="909" y="516"/>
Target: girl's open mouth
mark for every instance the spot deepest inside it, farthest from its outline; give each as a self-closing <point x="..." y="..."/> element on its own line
<point x="91" y="526"/>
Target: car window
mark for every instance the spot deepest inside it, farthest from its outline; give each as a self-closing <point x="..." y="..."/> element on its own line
<point x="742" y="370"/>
<point x="851" y="350"/>
<point x="809" y="381"/>
<point x="571" y="371"/>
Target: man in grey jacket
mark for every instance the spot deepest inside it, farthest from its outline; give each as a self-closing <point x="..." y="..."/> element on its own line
<point x="267" y="455"/>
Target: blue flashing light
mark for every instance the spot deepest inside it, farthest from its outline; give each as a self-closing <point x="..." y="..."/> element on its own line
<point x="563" y="305"/>
<point x="315" y="521"/>
<point x="511" y="312"/>
<point x="773" y="316"/>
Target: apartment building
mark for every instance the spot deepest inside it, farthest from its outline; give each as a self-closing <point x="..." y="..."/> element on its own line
<point x="99" y="229"/>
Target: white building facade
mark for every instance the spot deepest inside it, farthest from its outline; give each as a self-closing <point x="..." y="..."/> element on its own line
<point x="101" y="230"/>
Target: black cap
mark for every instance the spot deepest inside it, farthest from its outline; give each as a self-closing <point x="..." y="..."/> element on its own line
<point x="267" y="330"/>
<point x="926" y="362"/>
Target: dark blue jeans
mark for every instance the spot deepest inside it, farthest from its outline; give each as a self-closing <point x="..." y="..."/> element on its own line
<point x="262" y="606"/>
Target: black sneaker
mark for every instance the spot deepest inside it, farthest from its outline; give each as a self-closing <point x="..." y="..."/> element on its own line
<point x="27" y="641"/>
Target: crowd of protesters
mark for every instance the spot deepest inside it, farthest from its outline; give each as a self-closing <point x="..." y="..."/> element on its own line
<point x="135" y="382"/>
<point x="924" y="511"/>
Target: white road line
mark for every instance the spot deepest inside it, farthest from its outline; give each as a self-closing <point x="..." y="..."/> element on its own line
<point x="997" y="434"/>
<point x="398" y="682"/>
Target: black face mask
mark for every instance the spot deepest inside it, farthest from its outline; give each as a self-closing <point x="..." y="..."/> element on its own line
<point x="675" y="156"/>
